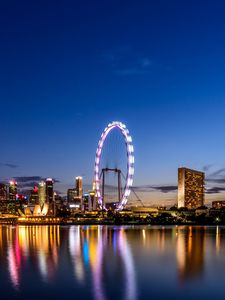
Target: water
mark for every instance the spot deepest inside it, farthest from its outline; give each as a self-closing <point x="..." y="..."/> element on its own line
<point x="103" y="262"/>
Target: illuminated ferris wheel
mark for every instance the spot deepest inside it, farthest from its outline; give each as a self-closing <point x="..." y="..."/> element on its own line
<point x="100" y="170"/>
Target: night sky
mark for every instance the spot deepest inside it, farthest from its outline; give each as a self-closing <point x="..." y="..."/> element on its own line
<point x="68" y="68"/>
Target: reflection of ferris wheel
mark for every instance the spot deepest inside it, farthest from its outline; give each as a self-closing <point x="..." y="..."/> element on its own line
<point x="129" y="172"/>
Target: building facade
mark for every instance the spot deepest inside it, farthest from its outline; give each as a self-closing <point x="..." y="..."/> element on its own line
<point x="191" y="188"/>
<point x="12" y="190"/>
<point x="79" y="186"/>
<point x="49" y="190"/>
<point x="71" y="195"/>
<point x="34" y="199"/>
<point x="218" y="204"/>
<point x="42" y="193"/>
<point x="3" y="192"/>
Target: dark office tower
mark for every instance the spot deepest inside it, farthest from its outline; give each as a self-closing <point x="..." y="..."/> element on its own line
<point x="71" y="195"/>
<point x="3" y="192"/>
<point x="49" y="190"/>
<point x="191" y="190"/>
<point x="79" y="186"/>
<point x="12" y="190"/>
<point x="34" y="199"/>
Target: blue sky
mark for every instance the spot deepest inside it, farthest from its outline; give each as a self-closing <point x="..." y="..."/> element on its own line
<point x="69" y="68"/>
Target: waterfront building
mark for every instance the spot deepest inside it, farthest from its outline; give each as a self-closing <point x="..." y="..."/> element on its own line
<point x="58" y="200"/>
<point x="12" y="190"/>
<point x="71" y="194"/>
<point x="92" y="201"/>
<point x="3" y="192"/>
<point x="191" y="191"/>
<point x="218" y="204"/>
<point x="42" y="193"/>
<point x="3" y="198"/>
<point x="34" y="199"/>
<point x="74" y="202"/>
<point x="79" y="186"/>
<point x="49" y="190"/>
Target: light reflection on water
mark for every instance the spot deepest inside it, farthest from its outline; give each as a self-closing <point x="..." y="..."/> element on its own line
<point x="101" y="263"/>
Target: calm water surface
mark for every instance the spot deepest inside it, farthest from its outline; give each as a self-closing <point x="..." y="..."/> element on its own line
<point x="103" y="262"/>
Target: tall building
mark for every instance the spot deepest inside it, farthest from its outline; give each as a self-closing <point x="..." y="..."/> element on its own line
<point x="12" y="190"/>
<point x="3" y="192"/>
<point x="34" y="199"/>
<point x="49" y="190"/>
<point x="79" y="186"/>
<point x="92" y="198"/>
<point x="71" y="195"/>
<point x="191" y="192"/>
<point x="42" y="193"/>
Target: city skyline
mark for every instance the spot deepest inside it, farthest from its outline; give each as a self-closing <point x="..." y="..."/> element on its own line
<point x="67" y="72"/>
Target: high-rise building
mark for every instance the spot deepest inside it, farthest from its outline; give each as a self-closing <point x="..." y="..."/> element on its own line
<point x="34" y="199"/>
<point x="49" y="190"/>
<point x="3" y="192"/>
<point x="191" y="192"/>
<point x="12" y="190"/>
<point x="71" y="195"/>
<point x="42" y="193"/>
<point x="79" y="186"/>
<point x="92" y="198"/>
<point x="92" y="201"/>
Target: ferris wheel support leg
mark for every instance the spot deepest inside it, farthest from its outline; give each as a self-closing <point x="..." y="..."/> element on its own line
<point x="103" y="187"/>
<point x="119" y="185"/>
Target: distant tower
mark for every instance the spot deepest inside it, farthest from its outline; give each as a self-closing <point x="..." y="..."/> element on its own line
<point x="49" y="190"/>
<point x="92" y="198"/>
<point x="34" y="196"/>
<point x="79" y="186"/>
<point x="71" y="195"/>
<point x="191" y="190"/>
<point x="12" y="190"/>
<point x="3" y="192"/>
<point x="92" y="201"/>
<point x="42" y="193"/>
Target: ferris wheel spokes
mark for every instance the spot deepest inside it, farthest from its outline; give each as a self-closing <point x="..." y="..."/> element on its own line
<point x="130" y="167"/>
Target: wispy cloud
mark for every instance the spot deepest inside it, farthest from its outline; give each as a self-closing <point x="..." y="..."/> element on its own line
<point x="206" y="168"/>
<point x="219" y="172"/>
<point x="147" y="188"/>
<point x="124" y="61"/>
<point x="217" y="176"/>
<point x="152" y="188"/>
<point x="131" y="71"/>
<point x="27" y="182"/>
<point x="215" y="190"/>
<point x="216" y="180"/>
<point x="9" y="165"/>
<point x="25" y="179"/>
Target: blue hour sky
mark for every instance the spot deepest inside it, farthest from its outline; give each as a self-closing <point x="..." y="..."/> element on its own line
<point x="68" y="68"/>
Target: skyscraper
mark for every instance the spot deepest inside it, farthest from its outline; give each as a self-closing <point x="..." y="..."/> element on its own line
<point x="3" y="192"/>
<point x="71" y="195"/>
<point x="191" y="191"/>
<point x="49" y="190"/>
<point x="34" y="196"/>
<point x="12" y="190"/>
<point x="79" y="186"/>
<point x="42" y="193"/>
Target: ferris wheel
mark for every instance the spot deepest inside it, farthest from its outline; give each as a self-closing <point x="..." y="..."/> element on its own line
<point x="123" y="192"/>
